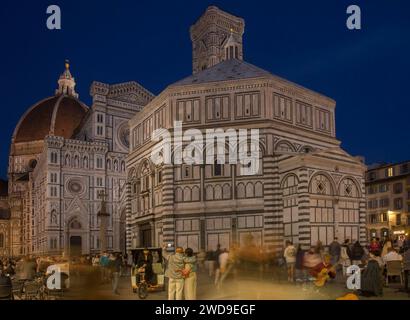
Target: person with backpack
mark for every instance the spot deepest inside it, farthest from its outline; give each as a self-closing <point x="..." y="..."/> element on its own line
<point x="290" y="257"/>
<point x="357" y="253"/>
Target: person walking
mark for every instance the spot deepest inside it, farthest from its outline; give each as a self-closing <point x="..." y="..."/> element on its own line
<point x="215" y="257"/>
<point x="319" y="248"/>
<point x="290" y="257"/>
<point x="334" y="250"/>
<point x="115" y="266"/>
<point x="174" y="273"/>
<point x="300" y="271"/>
<point x="190" y="282"/>
<point x="223" y="261"/>
<point x="344" y="260"/>
<point x="357" y="253"/>
<point x="104" y="261"/>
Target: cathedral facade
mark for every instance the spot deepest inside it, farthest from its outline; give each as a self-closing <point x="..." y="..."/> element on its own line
<point x="4" y="220"/>
<point x="307" y="188"/>
<point x="66" y="160"/>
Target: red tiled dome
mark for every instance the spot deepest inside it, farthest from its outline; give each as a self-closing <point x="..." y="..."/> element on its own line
<point x="59" y="115"/>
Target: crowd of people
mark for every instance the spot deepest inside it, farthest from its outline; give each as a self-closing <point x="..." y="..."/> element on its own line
<point x="320" y="265"/>
<point x="107" y="266"/>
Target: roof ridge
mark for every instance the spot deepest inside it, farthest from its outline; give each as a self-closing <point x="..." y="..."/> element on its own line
<point x="232" y="69"/>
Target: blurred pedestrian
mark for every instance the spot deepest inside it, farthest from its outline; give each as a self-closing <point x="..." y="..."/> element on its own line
<point x="290" y="257"/>
<point x="357" y="253"/>
<point x="344" y="260"/>
<point x="334" y="250"/>
<point x="374" y="247"/>
<point x="190" y="269"/>
<point x="223" y="260"/>
<point x="371" y="280"/>
<point x="300" y="271"/>
<point x="115" y="267"/>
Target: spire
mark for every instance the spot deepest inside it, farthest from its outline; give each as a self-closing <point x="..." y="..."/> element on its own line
<point x="66" y="82"/>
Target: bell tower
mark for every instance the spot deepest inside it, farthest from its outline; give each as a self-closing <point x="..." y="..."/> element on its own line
<point x="216" y="36"/>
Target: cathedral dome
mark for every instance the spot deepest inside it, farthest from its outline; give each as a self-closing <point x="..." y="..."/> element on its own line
<point x="59" y="115"/>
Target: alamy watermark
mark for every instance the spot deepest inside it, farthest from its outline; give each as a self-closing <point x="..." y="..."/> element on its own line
<point x="54" y="278"/>
<point x="218" y="147"/>
<point x="54" y="20"/>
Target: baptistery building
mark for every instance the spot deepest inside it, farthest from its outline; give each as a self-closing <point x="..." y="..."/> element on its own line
<point x="307" y="187"/>
<point x="66" y="161"/>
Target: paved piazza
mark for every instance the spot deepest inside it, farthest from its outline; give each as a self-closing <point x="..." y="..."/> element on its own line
<point x="267" y="287"/>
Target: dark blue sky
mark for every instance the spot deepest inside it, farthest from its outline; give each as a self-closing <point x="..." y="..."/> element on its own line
<point x="307" y="42"/>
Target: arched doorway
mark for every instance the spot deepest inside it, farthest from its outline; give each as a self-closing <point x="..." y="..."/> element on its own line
<point x="75" y="246"/>
<point x="75" y="243"/>
<point x="146" y="235"/>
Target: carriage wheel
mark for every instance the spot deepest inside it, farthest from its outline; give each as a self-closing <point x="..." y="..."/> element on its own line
<point x="143" y="291"/>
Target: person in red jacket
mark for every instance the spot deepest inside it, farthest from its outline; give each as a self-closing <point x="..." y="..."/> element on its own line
<point x="375" y="247"/>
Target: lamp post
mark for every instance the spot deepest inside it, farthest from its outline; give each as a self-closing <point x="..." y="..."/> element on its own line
<point x="103" y="215"/>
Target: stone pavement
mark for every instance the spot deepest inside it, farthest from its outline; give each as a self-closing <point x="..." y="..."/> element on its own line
<point x="243" y="288"/>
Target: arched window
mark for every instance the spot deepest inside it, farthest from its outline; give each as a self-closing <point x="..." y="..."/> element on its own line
<point x="53" y="157"/>
<point x="348" y="189"/>
<point x="108" y="164"/>
<point x="1" y="240"/>
<point x="217" y="169"/>
<point x="321" y="185"/>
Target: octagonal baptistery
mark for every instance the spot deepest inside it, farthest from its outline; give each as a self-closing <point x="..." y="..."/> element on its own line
<point x="306" y="189"/>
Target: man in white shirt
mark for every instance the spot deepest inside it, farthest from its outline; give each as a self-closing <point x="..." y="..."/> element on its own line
<point x="290" y="257"/>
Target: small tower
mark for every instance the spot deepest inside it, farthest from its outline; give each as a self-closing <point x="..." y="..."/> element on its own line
<point x="66" y="82"/>
<point x="231" y="48"/>
<point x="216" y="36"/>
